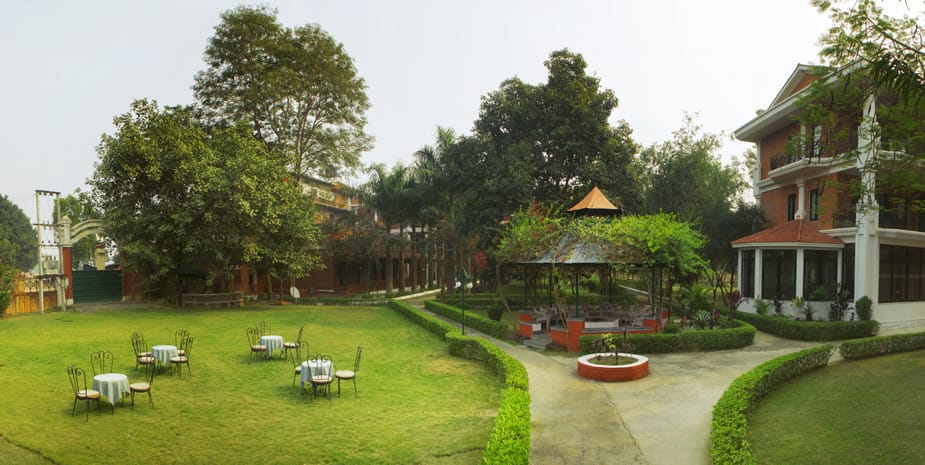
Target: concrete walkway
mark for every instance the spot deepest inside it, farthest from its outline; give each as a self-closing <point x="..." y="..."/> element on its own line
<point x="662" y="419"/>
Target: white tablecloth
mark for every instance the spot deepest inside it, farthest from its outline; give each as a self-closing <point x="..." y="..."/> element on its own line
<point x="111" y="386"/>
<point x="311" y="368"/>
<point x="163" y="354"/>
<point x="273" y="343"/>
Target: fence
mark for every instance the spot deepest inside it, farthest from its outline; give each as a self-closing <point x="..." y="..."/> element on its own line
<point x="25" y="295"/>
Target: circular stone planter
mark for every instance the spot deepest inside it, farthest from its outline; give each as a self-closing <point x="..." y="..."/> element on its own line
<point x="588" y="369"/>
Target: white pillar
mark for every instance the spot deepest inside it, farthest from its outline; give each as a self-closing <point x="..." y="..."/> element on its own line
<point x="739" y="272"/>
<point x="759" y="266"/>
<point x="867" y="241"/>
<point x="798" y="292"/>
<point x="801" y="200"/>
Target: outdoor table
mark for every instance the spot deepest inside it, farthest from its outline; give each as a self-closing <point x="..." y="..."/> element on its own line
<point x="163" y="353"/>
<point x="313" y="367"/>
<point x="111" y="386"/>
<point x="272" y="343"/>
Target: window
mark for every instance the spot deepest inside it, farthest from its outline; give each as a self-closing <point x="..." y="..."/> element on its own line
<point x="778" y="274"/>
<point x="748" y="273"/>
<point x="820" y="270"/>
<point x="901" y="274"/>
<point x="814" y="205"/>
<point x="791" y="207"/>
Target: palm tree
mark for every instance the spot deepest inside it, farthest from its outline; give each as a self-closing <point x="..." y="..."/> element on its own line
<point x="435" y="202"/>
<point x="384" y="192"/>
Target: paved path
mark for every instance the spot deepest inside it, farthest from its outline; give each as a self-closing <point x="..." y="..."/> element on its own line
<point x="662" y="419"/>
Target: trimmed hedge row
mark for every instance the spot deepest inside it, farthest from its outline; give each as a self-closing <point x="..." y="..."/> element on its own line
<point x="874" y="346"/>
<point x="486" y="325"/>
<point x="740" y="334"/>
<point x="509" y="443"/>
<point x="729" y="433"/>
<point x="810" y="330"/>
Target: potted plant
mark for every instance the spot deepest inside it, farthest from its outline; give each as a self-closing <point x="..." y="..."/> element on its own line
<point x="800" y="305"/>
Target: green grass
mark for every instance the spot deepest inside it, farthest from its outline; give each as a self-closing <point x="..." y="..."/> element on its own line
<point x="866" y="412"/>
<point x="417" y="404"/>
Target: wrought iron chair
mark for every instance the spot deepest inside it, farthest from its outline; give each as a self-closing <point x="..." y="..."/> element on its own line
<point x="179" y="360"/>
<point x="292" y="345"/>
<point x="178" y="337"/>
<point x="264" y="328"/>
<point x="144" y="386"/>
<point x="142" y="356"/>
<point x="253" y="338"/>
<point x="78" y="378"/>
<point x="321" y="376"/>
<point x="350" y="374"/>
<point x="101" y="360"/>
<point x="301" y="348"/>
<point x="136" y="339"/>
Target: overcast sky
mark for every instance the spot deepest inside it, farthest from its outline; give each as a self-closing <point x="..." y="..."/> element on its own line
<point x="71" y="66"/>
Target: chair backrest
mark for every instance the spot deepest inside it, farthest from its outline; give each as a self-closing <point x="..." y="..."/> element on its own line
<point x="326" y="365"/>
<point x="179" y="335"/>
<point x="356" y="362"/>
<point x="140" y="347"/>
<point x="101" y="360"/>
<point x="74" y="375"/>
<point x="253" y="335"/>
<point x="300" y="350"/>
<point x="149" y="373"/>
<point x="299" y="338"/>
<point x="136" y="339"/>
<point x="187" y="346"/>
<point x="263" y="328"/>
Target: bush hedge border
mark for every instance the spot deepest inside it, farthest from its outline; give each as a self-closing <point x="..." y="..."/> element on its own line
<point x="818" y="331"/>
<point x="488" y="326"/>
<point x="881" y="345"/>
<point x="729" y="442"/>
<point x="509" y="443"/>
<point x="741" y="335"/>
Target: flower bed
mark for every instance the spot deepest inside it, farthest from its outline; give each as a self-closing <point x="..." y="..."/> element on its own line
<point x="590" y="370"/>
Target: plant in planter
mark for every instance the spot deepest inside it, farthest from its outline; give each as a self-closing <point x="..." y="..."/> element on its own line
<point x="864" y="308"/>
<point x="839" y="306"/>
<point x="612" y="344"/>
<point x="762" y="306"/>
<point x="800" y="305"/>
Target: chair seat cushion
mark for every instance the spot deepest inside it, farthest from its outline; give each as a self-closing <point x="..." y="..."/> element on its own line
<point x="88" y="394"/>
<point x="258" y="348"/>
<point x="179" y="359"/>
<point x="345" y="374"/>
<point x="181" y="352"/>
<point x="140" y="387"/>
<point x="298" y="369"/>
<point x="143" y="354"/>
<point x="321" y="379"/>
<point x="146" y="359"/>
<point x="290" y="345"/>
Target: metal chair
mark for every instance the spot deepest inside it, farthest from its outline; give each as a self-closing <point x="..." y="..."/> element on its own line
<point x="142" y="356"/>
<point x="136" y="339"/>
<point x="101" y="360"/>
<point x="350" y="374"/>
<point x="321" y="376"/>
<point x="178" y="337"/>
<point x="301" y="348"/>
<point x="287" y="346"/>
<point x="78" y="379"/>
<point x="253" y="338"/>
<point x="178" y="360"/>
<point x="264" y="328"/>
<point x="144" y="386"/>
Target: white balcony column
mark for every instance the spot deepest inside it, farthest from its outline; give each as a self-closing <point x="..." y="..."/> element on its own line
<point x="801" y="258"/>
<point x="759" y="266"/>
<point x="801" y="200"/>
<point x="739" y="272"/>
<point x="867" y="240"/>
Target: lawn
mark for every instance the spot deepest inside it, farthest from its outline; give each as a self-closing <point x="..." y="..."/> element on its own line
<point x="866" y="412"/>
<point x="416" y="403"/>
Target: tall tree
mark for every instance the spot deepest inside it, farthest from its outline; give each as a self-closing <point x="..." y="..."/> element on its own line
<point x="297" y="88"/>
<point x="18" y="241"/>
<point x="385" y="193"/>
<point x="177" y="198"/>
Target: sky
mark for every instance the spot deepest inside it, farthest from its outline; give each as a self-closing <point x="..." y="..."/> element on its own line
<point x="72" y="66"/>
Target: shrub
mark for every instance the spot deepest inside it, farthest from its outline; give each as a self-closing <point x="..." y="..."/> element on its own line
<point x="810" y="330"/>
<point x="509" y="443"/>
<point x="873" y="346"/>
<point x="495" y="312"/>
<point x="474" y="320"/>
<point x="7" y="281"/>
<point x="864" y="307"/>
<point x="671" y="328"/>
<point x="739" y="334"/>
<point x="762" y="306"/>
<point x="729" y="432"/>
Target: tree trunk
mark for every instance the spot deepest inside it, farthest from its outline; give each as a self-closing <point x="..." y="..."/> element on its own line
<point x="388" y="268"/>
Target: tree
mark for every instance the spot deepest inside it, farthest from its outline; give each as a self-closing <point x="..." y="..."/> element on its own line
<point x="18" y="241"/>
<point x="179" y="199"/>
<point x="385" y="193"/>
<point x="297" y="88"/>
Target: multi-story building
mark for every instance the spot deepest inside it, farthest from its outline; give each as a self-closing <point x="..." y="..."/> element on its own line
<point x="822" y="233"/>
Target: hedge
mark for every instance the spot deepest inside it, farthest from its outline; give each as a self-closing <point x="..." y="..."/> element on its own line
<point x="739" y="334"/>
<point x="810" y="330"/>
<point x="874" y="346"/>
<point x="729" y="432"/>
<point x="486" y="325"/>
<point x="509" y="443"/>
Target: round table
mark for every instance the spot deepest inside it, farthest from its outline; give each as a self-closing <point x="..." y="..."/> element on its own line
<point x="272" y="343"/>
<point x="111" y="386"/>
<point x="163" y="353"/>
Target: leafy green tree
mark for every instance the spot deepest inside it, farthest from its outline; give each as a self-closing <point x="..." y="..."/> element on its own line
<point x="385" y="192"/>
<point x="179" y="199"/>
<point x="18" y="241"/>
<point x="297" y="88"/>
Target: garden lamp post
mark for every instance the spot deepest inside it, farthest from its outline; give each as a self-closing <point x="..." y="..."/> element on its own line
<point x="462" y="283"/>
